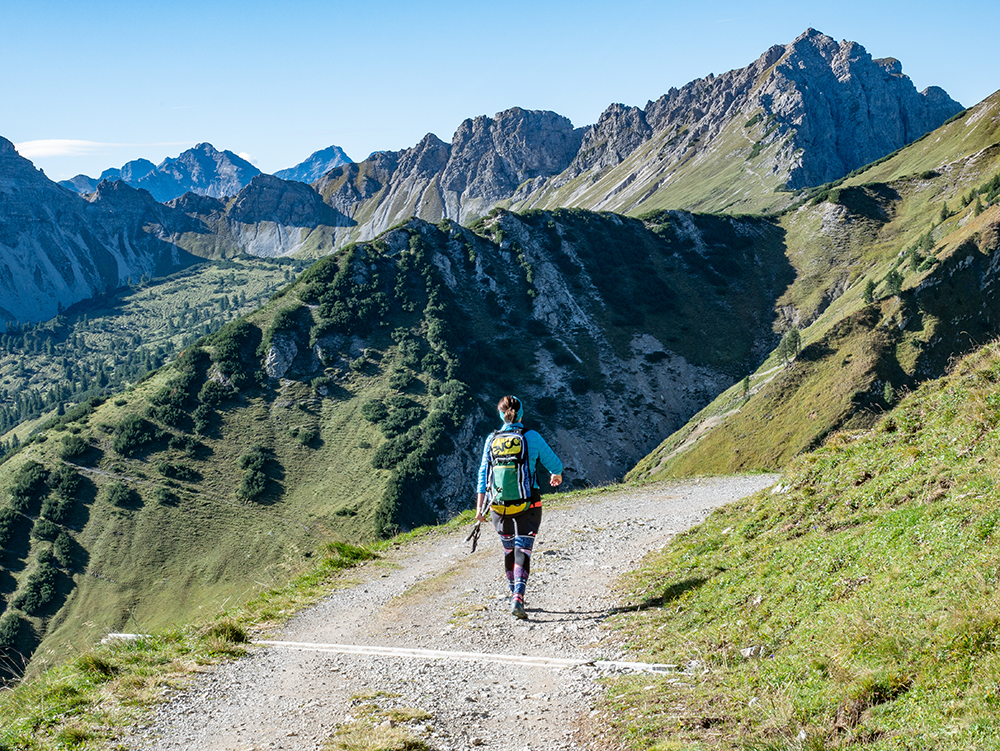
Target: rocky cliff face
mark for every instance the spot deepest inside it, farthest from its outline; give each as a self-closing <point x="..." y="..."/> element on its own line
<point x="317" y="165"/>
<point x="800" y="115"/>
<point x="203" y="170"/>
<point x="487" y="159"/>
<point x="57" y="248"/>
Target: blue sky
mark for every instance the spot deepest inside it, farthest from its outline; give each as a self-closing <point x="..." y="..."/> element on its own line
<point x="107" y="81"/>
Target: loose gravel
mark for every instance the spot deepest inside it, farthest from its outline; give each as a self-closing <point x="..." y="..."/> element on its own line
<point x="437" y="596"/>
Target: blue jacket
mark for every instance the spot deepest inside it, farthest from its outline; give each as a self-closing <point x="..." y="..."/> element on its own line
<point x="537" y="449"/>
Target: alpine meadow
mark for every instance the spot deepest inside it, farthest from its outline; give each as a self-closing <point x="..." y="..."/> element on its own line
<point x="217" y="401"/>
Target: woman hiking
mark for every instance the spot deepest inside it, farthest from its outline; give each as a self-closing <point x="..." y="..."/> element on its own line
<point x="508" y="488"/>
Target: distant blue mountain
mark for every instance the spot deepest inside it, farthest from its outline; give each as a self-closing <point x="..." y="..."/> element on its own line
<point x="317" y="165"/>
<point x="203" y="170"/>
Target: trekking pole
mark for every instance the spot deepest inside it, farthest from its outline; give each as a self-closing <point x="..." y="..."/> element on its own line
<point x="474" y="536"/>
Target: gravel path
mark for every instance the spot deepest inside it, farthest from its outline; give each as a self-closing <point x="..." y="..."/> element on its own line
<point x="438" y="596"/>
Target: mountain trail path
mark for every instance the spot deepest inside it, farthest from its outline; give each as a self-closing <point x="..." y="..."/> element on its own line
<point x="425" y="637"/>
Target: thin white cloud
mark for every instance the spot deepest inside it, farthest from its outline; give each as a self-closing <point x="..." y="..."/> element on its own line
<point x="59" y="147"/>
<point x="69" y="147"/>
<point x="248" y="157"/>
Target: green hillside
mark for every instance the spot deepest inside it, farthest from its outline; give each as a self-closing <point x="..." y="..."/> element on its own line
<point x="852" y="606"/>
<point x="936" y="232"/>
<point x="353" y="404"/>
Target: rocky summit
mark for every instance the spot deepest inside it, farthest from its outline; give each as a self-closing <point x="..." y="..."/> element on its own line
<point x="203" y="170"/>
<point x="800" y="115"/>
<point x="316" y="165"/>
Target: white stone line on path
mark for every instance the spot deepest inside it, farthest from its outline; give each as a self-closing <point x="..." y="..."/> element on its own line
<point x="437" y="654"/>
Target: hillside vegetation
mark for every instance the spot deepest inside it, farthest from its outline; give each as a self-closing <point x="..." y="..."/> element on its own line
<point x="893" y="280"/>
<point x="354" y="403"/>
<point x="854" y="605"/>
<point x="103" y="345"/>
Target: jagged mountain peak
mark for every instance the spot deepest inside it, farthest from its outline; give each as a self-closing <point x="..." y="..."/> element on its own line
<point x="202" y="169"/>
<point x="316" y="165"/>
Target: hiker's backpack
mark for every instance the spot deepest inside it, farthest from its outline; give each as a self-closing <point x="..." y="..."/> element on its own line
<point x="508" y="479"/>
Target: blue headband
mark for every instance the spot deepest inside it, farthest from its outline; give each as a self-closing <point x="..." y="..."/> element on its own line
<point x="520" y="412"/>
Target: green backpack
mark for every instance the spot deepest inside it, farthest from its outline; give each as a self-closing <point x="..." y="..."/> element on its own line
<point x="508" y="479"/>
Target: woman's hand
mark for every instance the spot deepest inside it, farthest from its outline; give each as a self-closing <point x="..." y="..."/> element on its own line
<point x="480" y="510"/>
<point x="555" y="480"/>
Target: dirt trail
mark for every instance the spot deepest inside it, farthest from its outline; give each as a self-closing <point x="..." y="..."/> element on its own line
<point x="436" y="596"/>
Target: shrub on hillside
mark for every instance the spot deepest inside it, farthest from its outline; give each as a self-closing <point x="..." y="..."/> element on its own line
<point x="254" y="483"/>
<point x="177" y="472"/>
<point x="306" y="435"/>
<point x="40" y="589"/>
<point x="188" y="444"/>
<point x="214" y="393"/>
<point x="202" y="416"/>
<point x="235" y="352"/>
<point x="30" y="479"/>
<point x="132" y="434"/>
<point x="66" y="485"/>
<point x="63" y="549"/>
<point x="74" y="446"/>
<point x="11" y="626"/>
<point x="45" y="530"/>
<point x="119" y="494"/>
<point x="374" y="411"/>
<point x="401" y="379"/>
<point x="393" y="451"/>
<point x="168" y="414"/>
<point x="9" y="519"/>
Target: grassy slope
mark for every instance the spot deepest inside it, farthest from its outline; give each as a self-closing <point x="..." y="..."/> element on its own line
<point x="853" y="606"/>
<point x="159" y="562"/>
<point x="719" y="176"/>
<point x="835" y="248"/>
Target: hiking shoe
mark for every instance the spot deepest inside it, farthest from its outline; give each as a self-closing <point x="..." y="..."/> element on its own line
<point x="517" y="610"/>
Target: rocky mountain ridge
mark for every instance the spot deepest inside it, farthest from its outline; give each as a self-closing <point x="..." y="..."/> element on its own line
<point x="57" y="248"/>
<point x="799" y="116"/>
<point x="202" y="169"/>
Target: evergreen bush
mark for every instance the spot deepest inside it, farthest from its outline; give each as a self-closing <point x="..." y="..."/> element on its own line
<point x="133" y="434"/>
<point x="119" y="494"/>
<point x="73" y="447"/>
<point x="40" y="589"/>
<point x="44" y="529"/>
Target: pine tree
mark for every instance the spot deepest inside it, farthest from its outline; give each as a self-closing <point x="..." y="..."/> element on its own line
<point x="894" y="282"/>
<point x="869" y="292"/>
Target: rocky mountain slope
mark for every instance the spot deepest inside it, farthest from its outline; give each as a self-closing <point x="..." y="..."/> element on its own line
<point x="799" y="116"/>
<point x="57" y="248"/>
<point x="355" y="403"/>
<point x="316" y="165"/>
<point x="203" y="170"/>
<point x="802" y="114"/>
<point x="896" y="276"/>
<point x="746" y="141"/>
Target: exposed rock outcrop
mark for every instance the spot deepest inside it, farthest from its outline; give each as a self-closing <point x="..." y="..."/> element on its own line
<point x="800" y="115"/>
<point x="488" y="158"/>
